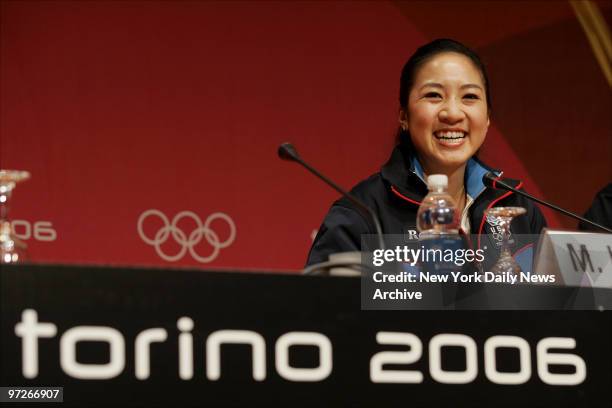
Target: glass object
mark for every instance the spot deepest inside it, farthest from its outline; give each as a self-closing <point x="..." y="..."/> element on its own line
<point x="12" y="249"/>
<point x="502" y="217"/>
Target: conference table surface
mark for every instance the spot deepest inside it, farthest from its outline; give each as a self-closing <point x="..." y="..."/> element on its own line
<point x="122" y="336"/>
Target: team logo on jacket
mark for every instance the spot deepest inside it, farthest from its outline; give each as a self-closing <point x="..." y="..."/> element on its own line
<point x="496" y="230"/>
<point x="202" y="235"/>
<point x="411" y="233"/>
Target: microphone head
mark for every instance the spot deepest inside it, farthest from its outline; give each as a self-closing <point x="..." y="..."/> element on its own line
<point x="490" y="179"/>
<point x="286" y="151"/>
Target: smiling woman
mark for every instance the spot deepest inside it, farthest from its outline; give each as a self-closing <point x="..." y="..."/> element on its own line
<point x="445" y="105"/>
<point x="448" y="102"/>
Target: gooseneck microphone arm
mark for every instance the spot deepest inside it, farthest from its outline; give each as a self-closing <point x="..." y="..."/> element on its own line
<point x="286" y="151"/>
<point x="491" y="180"/>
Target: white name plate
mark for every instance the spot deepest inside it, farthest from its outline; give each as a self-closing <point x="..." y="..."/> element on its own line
<point x="576" y="258"/>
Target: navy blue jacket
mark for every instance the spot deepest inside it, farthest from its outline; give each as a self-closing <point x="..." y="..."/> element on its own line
<point x="395" y="194"/>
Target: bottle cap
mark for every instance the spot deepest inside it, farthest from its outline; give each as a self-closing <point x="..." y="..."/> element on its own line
<point x="437" y="181"/>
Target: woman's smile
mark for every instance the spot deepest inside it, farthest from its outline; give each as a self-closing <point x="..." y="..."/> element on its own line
<point x="450" y="137"/>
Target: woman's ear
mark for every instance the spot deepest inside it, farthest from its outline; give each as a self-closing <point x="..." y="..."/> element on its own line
<point x="403" y="119"/>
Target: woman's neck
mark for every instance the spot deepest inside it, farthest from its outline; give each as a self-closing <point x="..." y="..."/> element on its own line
<point x="456" y="179"/>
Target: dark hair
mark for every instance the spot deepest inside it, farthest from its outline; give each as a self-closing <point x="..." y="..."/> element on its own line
<point x="424" y="54"/>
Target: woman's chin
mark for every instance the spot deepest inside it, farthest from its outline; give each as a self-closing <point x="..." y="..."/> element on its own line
<point x="455" y="158"/>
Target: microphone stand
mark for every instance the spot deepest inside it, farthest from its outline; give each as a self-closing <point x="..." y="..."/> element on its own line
<point x="491" y="180"/>
<point x="286" y="151"/>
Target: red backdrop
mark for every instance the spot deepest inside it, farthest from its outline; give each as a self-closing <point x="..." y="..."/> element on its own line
<point x="117" y="108"/>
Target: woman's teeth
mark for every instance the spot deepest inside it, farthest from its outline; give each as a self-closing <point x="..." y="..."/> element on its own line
<point x="449" y="135"/>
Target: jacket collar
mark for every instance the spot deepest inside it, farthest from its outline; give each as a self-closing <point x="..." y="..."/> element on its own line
<point x="404" y="172"/>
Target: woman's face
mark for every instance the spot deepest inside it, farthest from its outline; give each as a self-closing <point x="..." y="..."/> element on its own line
<point x="447" y="114"/>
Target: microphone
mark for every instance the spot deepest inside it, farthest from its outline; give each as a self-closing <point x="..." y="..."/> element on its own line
<point x="491" y="180"/>
<point x="287" y="151"/>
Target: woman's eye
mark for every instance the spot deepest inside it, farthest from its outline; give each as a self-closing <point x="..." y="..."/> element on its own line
<point x="433" y="95"/>
<point x="471" y="96"/>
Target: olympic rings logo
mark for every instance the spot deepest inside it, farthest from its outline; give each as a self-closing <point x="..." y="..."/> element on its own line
<point x="187" y="243"/>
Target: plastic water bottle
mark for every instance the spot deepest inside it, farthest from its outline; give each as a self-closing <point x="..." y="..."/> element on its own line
<point x="438" y="225"/>
<point x="438" y="213"/>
